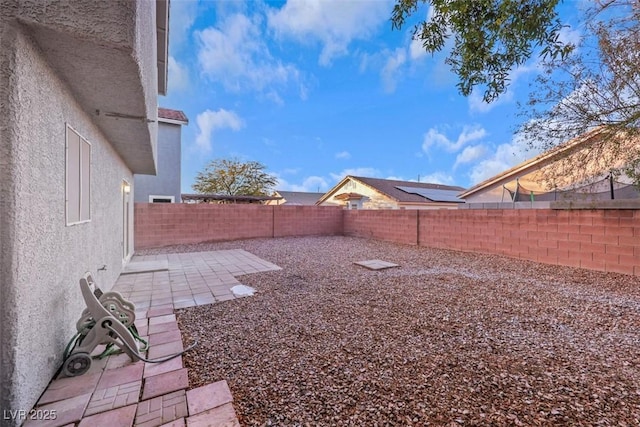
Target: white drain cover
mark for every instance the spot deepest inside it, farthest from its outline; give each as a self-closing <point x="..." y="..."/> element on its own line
<point x="243" y="291"/>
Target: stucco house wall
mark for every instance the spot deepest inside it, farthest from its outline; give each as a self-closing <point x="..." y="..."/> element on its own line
<point x="93" y="67"/>
<point x="42" y="257"/>
<point x="167" y="181"/>
<point x="581" y="162"/>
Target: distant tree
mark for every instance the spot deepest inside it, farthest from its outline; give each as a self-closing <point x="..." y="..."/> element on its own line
<point x="234" y="178"/>
<point x="491" y="37"/>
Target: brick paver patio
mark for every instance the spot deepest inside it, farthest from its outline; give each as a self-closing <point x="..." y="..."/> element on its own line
<point x="119" y="392"/>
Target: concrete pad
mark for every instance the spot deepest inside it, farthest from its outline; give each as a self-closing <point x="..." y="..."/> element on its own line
<point x="208" y="397"/>
<point x="158" y="385"/>
<point x="376" y="264"/>
<point x="114" y="397"/>
<point x="120" y="376"/>
<point x="223" y="415"/>
<point x="176" y="423"/>
<point x="67" y="411"/>
<point x="162" y="409"/>
<point x="117" y="417"/>
<point x="152" y="369"/>
<point x="136" y="267"/>
<point x="65" y="388"/>
<point x="157" y="351"/>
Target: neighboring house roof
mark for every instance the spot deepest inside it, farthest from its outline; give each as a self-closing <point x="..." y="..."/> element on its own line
<point x="389" y="187"/>
<point x="172" y="116"/>
<point x="299" y="197"/>
<point x="543" y="159"/>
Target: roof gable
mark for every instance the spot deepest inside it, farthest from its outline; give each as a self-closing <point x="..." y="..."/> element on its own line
<point x="389" y="188"/>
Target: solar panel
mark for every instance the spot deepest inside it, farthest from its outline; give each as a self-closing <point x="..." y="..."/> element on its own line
<point x="433" y="194"/>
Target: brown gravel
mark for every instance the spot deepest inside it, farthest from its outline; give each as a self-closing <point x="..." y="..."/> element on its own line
<point x="448" y="338"/>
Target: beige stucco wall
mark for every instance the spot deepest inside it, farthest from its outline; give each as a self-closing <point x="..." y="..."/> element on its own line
<point x="586" y="166"/>
<point x="42" y="258"/>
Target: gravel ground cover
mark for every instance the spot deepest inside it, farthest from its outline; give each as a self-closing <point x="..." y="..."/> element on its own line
<point x="448" y="338"/>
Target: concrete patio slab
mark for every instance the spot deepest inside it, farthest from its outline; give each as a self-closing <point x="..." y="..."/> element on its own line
<point x="176" y="423"/>
<point x="162" y="409"/>
<point x="221" y="416"/>
<point x="152" y="369"/>
<point x="65" y="388"/>
<point x="117" y="417"/>
<point x="164" y="350"/>
<point x="67" y="411"/>
<point x="208" y="397"/>
<point x="165" y="337"/>
<point x="114" y="397"/>
<point x="120" y="376"/>
<point x="165" y="383"/>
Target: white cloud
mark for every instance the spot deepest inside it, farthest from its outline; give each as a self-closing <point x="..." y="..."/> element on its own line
<point x="178" y="75"/>
<point x="437" y="178"/>
<point x="570" y="35"/>
<point x="366" y="172"/>
<point x="505" y="157"/>
<point x="334" y="24"/>
<point x="209" y="121"/>
<point x="310" y="184"/>
<point x="343" y="155"/>
<point x="234" y="53"/>
<point x="434" y="137"/>
<point x="391" y="70"/>
<point x="416" y="50"/>
<point x="469" y="154"/>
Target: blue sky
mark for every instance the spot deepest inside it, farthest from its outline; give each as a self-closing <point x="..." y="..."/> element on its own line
<point x="316" y="90"/>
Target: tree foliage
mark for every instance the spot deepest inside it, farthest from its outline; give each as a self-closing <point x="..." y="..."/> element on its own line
<point x="598" y="85"/>
<point x="490" y="37"/>
<point x="234" y="178"/>
<point x="593" y="84"/>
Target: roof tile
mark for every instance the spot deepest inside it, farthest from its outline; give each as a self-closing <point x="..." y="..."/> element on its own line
<point x="167" y="113"/>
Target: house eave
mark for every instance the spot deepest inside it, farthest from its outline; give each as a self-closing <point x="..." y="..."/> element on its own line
<point x="105" y="53"/>
<point x="162" y="31"/>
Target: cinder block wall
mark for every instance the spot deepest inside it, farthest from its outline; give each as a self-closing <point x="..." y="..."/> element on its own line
<point x="164" y="224"/>
<point x="605" y="240"/>
<point x="400" y="226"/>
<point x="306" y="220"/>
